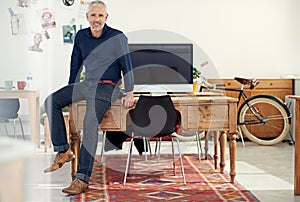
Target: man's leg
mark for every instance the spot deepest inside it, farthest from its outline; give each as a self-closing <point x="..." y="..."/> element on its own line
<point x="53" y="106"/>
<point x="98" y="102"/>
<point x="90" y="139"/>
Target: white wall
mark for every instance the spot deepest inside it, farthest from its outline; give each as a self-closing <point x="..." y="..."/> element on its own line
<point x="254" y="38"/>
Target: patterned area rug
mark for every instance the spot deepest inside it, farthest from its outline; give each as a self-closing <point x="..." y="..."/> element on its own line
<point x="151" y="181"/>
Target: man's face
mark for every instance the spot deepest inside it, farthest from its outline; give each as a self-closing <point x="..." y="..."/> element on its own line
<point x="97" y="17"/>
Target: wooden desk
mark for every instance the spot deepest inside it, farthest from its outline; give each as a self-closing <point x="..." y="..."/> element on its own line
<point x="297" y="146"/>
<point x="198" y="113"/>
<point x="33" y="97"/>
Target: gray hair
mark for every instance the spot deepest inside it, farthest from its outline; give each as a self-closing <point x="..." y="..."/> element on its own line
<point x="97" y="2"/>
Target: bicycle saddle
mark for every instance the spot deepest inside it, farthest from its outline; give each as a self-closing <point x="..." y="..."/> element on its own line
<point x="251" y="82"/>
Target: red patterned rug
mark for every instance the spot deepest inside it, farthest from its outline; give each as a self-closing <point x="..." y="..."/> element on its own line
<point x="156" y="182"/>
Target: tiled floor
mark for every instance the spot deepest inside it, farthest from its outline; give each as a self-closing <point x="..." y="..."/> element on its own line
<point x="265" y="170"/>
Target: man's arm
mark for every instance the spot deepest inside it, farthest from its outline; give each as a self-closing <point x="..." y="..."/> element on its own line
<point x="76" y="63"/>
<point x="126" y="66"/>
<point x="122" y="52"/>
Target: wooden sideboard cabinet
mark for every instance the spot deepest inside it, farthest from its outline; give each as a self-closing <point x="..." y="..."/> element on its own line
<point x="276" y="87"/>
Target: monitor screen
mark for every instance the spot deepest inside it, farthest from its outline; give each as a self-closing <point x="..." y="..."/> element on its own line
<point x="165" y="68"/>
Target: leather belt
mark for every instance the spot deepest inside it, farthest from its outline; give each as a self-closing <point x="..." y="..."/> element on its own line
<point x="107" y="82"/>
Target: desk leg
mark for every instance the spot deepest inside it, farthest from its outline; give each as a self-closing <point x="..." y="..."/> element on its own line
<point x="223" y="141"/>
<point x="216" y="142"/>
<point x="75" y="147"/>
<point x="232" y="154"/>
<point x="34" y="115"/>
<point x="75" y="142"/>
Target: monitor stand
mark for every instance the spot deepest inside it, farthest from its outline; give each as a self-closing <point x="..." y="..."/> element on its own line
<point x="158" y="93"/>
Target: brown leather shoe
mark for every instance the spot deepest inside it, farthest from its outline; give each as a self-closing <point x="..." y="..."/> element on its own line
<point x="60" y="159"/>
<point x="77" y="187"/>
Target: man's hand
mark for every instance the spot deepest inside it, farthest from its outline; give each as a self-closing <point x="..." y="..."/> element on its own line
<point x="128" y="100"/>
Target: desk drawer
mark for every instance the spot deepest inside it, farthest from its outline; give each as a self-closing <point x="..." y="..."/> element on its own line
<point x="111" y="120"/>
<point x="207" y="117"/>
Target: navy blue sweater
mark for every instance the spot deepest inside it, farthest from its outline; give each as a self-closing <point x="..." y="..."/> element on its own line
<point x="104" y="58"/>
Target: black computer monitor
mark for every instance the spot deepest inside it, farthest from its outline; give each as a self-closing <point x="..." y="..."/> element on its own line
<point x="162" y="68"/>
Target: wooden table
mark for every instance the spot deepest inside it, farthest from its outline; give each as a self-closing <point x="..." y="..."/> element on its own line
<point x="297" y="146"/>
<point x="198" y="113"/>
<point x="33" y="97"/>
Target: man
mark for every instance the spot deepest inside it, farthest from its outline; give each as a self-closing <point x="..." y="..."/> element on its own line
<point x="103" y="51"/>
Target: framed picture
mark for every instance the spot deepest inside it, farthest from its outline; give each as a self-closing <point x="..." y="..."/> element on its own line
<point x="69" y="33"/>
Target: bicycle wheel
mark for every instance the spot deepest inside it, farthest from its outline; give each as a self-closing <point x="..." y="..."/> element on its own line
<point x="264" y="119"/>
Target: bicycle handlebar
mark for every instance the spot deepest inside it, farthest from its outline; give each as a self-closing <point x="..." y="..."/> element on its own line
<point x="210" y="86"/>
<point x="243" y="81"/>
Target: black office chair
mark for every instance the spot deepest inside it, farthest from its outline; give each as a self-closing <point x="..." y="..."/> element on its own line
<point x="154" y="116"/>
<point x="9" y="109"/>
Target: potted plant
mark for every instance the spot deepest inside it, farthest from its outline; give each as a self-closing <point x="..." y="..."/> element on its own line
<point x="196" y="73"/>
<point x="196" y="76"/>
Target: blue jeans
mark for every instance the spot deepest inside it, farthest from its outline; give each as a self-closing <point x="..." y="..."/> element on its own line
<point x="98" y="99"/>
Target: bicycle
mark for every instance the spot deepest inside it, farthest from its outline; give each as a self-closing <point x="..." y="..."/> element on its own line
<point x="257" y="113"/>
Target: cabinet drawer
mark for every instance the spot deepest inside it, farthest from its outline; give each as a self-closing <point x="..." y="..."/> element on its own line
<point x="228" y="83"/>
<point x="207" y="117"/>
<point x="110" y="121"/>
<point x="263" y="84"/>
<point x="275" y="83"/>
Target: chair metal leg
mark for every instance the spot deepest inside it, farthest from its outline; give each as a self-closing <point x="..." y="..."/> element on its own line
<point x="145" y="150"/>
<point x="14" y="124"/>
<point x="241" y="135"/>
<point x="198" y="146"/>
<point x="22" y="129"/>
<point x="149" y="147"/>
<point x="159" y="145"/>
<point x="156" y="146"/>
<point x="5" y="126"/>
<point x="128" y="161"/>
<point x="103" y="145"/>
<point x="181" y="162"/>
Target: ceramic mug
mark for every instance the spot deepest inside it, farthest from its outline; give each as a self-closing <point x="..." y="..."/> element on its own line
<point x="21" y="85"/>
<point x="8" y="84"/>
